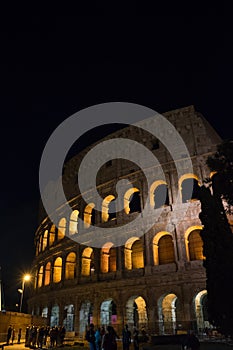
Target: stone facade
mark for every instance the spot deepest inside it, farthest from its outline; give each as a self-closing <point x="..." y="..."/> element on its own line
<point x="155" y="279"/>
<point x="17" y="320"/>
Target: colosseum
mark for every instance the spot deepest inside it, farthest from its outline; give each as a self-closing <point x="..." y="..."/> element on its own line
<point x="155" y="279"/>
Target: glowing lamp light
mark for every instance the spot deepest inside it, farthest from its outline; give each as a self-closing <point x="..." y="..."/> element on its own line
<point x="26" y="278"/>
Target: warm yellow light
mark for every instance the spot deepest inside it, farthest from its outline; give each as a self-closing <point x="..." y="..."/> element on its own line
<point x="26" y="277"/>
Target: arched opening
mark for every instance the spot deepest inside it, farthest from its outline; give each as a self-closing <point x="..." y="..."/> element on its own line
<point x="54" y="319"/>
<point x="108" y="313"/>
<point x="45" y="240"/>
<point x="135" y="203"/>
<point x="134" y="257"/>
<point x="137" y="255"/>
<point x="40" y="277"/>
<point x="73" y="229"/>
<point x="68" y="320"/>
<point x="52" y="234"/>
<point x="166" y="254"/>
<point x="189" y="186"/>
<point x="87" y="261"/>
<point x="136" y="314"/>
<point x="167" y="314"/>
<point x="44" y="312"/>
<point x="70" y="268"/>
<point x="159" y="194"/>
<point x="57" y="270"/>
<point x="195" y="245"/>
<point x="132" y="202"/>
<point x="108" y="209"/>
<point x="40" y="243"/>
<point x="89" y="215"/>
<point x="85" y="316"/>
<point x="108" y="258"/>
<point x="47" y="274"/>
<point x="61" y="229"/>
<point x="201" y="312"/>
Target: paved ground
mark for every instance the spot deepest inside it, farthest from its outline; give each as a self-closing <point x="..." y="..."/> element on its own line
<point x="204" y="346"/>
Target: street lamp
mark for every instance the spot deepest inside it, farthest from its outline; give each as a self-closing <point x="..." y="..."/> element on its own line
<point x="26" y="278"/>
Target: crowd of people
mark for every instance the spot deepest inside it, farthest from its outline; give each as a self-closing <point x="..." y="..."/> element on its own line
<point x="11" y="335"/>
<point x="44" y="336"/>
<point x="106" y="339"/>
<point x="38" y="336"/>
<point x="99" y="338"/>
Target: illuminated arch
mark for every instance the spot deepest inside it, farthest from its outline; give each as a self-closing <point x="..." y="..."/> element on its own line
<point x="200" y="303"/>
<point x="54" y="318"/>
<point x="212" y="173"/>
<point x="164" y="198"/>
<point x="68" y="321"/>
<point x="185" y="185"/>
<point x="61" y="229"/>
<point x="70" y="267"/>
<point x="40" y="277"/>
<point x="88" y="216"/>
<point x="47" y="274"/>
<point x="57" y="270"/>
<point x="44" y="312"/>
<point x="85" y="316"/>
<point x="108" y="258"/>
<point x="108" y="312"/>
<point x="73" y="227"/>
<point x="45" y="240"/>
<point x="52" y="235"/>
<point x="87" y="261"/>
<point x="134" y="257"/>
<point x="193" y="246"/>
<point x="167" y="313"/>
<point x="163" y="251"/>
<point x="40" y="243"/>
<point x="106" y="216"/>
<point x="127" y="198"/>
<point x="136" y="313"/>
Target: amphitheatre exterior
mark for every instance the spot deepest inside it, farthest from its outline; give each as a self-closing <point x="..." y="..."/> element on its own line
<point x="155" y="280"/>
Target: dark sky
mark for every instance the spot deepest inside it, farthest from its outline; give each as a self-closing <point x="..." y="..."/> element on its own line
<point x="52" y="67"/>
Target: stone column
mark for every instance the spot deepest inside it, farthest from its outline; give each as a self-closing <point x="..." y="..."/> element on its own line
<point x="61" y="312"/>
<point x="152" y="314"/>
<point x="76" y="317"/>
<point x="147" y="254"/>
<point x="63" y="269"/>
<point x="96" y="311"/>
<point x="120" y="261"/>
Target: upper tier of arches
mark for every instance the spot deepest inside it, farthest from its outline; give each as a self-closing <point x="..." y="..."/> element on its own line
<point x="106" y="259"/>
<point x="159" y="196"/>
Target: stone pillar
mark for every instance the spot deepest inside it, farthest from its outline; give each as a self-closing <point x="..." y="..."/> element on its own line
<point x="49" y="312"/>
<point x="76" y="317"/>
<point x="152" y="314"/>
<point x="147" y="254"/>
<point x="120" y="317"/>
<point x="63" y="269"/>
<point x="61" y="312"/>
<point x="96" y="311"/>
<point x="120" y="261"/>
<point x="181" y="250"/>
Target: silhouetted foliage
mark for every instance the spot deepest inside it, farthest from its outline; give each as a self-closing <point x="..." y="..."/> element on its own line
<point x="222" y="163"/>
<point x="218" y="238"/>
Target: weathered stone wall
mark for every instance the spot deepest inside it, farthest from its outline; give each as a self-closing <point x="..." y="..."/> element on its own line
<point x="183" y="278"/>
<point x="18" y="320"/>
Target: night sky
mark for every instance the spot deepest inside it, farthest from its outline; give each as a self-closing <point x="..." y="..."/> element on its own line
<point x="52" y="67"/>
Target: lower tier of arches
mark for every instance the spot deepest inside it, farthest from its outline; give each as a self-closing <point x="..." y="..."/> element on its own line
<point x="158" y="308"/>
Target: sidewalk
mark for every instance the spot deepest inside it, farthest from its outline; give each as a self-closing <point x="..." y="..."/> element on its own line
<point x="15" y="346"/>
